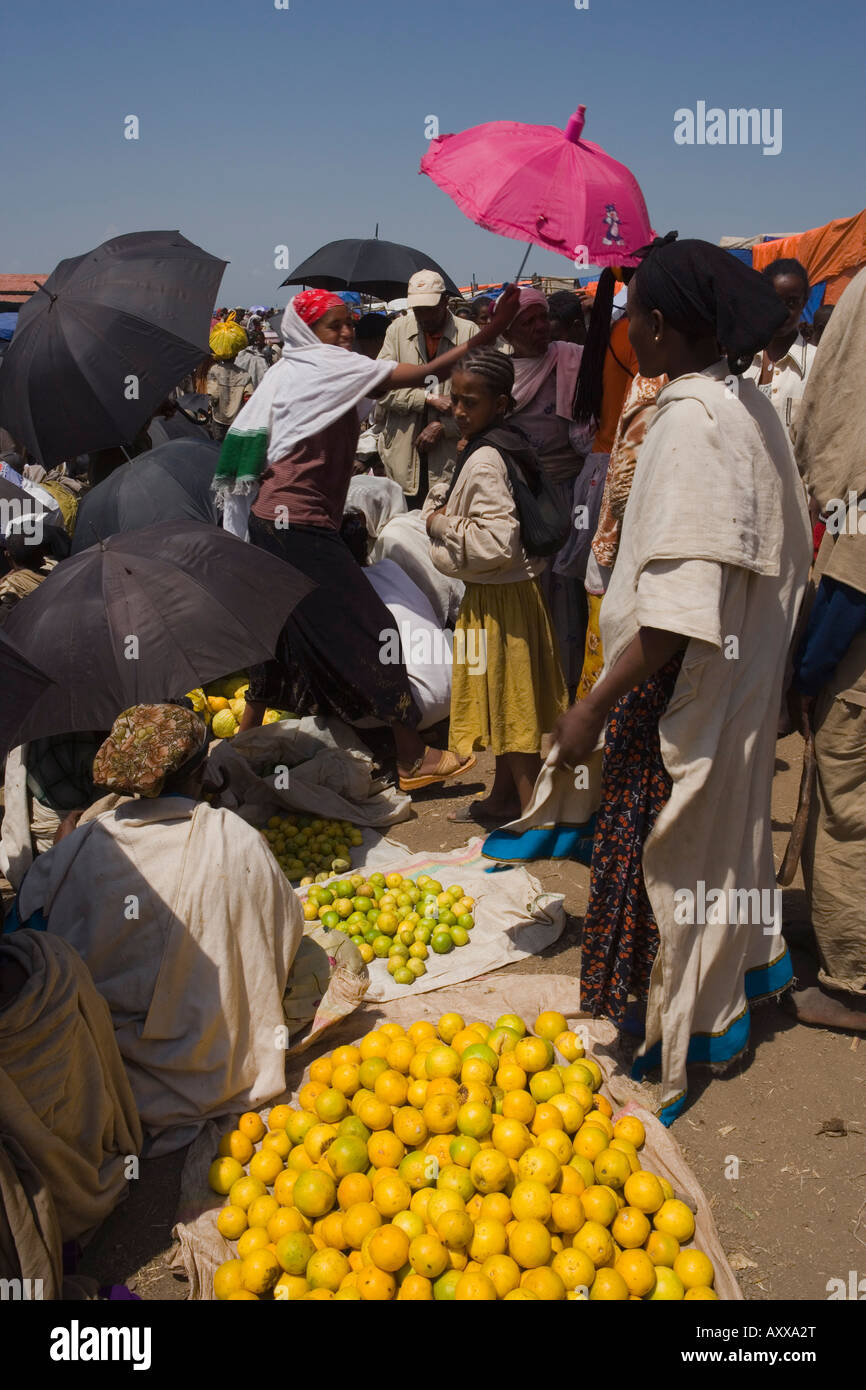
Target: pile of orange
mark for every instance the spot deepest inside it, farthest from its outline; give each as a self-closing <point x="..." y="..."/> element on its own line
<point x="452" y="1162"/>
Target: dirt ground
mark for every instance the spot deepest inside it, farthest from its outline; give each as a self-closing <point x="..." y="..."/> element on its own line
<point x="792" y="1218"/>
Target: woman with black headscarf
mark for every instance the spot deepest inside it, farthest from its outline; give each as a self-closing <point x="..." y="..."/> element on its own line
<point x="696" y="625"/>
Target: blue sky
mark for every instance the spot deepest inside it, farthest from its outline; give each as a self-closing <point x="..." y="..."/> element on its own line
<point x="261" y="127"/>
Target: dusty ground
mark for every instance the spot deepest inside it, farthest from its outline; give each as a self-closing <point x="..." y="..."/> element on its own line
<point x="795" y="1216"/>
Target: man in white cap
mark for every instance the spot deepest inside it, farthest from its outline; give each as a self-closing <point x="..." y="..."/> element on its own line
<point x="418" y="442"/>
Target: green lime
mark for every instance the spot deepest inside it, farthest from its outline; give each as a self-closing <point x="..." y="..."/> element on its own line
<point x="466" y="920"/>
<point x="460" y="936"/>
<point x="357" y="940"/>
<point x="404" y="976"/>
<point x="398" y="949"/>
<point x="417" y="967"/>
<point x="330" y="918"/>
<point x="362" y="904"/>
<point x="442" y="942"/>
<point x="423" y="933"/>
<point x="445" y="1287"/>
<point x="381" y="946"/>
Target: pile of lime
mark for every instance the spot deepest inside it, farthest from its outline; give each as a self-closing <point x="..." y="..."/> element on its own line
<point x="400" y="920"/>
<point x="311" y="849"/>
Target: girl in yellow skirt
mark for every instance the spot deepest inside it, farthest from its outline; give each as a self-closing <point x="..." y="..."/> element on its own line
<point x="507" y="685"/>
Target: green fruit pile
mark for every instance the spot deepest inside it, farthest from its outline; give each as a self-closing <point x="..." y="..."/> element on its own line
<point x="310" y="849"/>
<point x="394" y="918"/>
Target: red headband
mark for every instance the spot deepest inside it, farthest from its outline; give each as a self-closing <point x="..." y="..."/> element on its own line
<point x="312" y="304"/>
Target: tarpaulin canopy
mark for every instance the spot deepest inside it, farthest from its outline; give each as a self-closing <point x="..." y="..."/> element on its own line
<point x="832" y="254"/>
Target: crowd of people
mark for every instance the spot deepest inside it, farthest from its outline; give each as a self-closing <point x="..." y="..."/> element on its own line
<point x="611" y="514"/>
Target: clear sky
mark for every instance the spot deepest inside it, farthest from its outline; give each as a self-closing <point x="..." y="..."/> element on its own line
<point x="262" y="127"/>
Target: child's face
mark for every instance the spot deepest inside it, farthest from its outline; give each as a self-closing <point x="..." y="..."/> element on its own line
<point x="474" y="405"/>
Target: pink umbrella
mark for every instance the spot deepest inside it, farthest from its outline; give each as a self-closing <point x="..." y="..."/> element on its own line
<point x="544" y="185"/>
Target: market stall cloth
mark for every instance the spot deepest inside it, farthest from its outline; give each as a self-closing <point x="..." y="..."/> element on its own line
<point x="202" y="1249"/>
<point x="514" y="918"/>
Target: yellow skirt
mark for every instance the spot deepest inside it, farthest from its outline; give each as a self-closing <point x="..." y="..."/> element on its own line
<point x="507" y="686"/>
<point x="593" y="659"/>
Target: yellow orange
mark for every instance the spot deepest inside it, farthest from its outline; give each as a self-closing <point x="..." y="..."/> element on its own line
<point x="391" y="1196"/>
<point x="638" y="1271"/>
<point x="376" y="1285"/>
<point x="531" y="1200"/>
<point x="251" y="1125"/>
<point x="544" y="1282"/>
<point x="567" y="1214"/>
<point x="490" y="1171"/>
<point x="538" y="1162"/>
<point x="630" y="1127"/>
<point x="529" y="1244"/>
<point x="375" y="1044"/>
<point x="590" y="1141"/>
<point x="322" y="1070"/>
<point x="674" y="1218"/>
<point x="488" y="1238"/>
<point x="353" y="1189"/>
<point x="389" y="1248"/>
<point x="609" y="1286"/>
<point x="415" y="1289"/>
<point x="595" y="1241"/>
<point x="223" y="1174"/>
<point x="236" y="1145"/>
<point x="428" y="1256"/>
<point x="575" y="1269"/>
<point x="518" y="1105"/>
<point x="260" y="1272"/>
<point x="359" y="1221"/>
<point x="475" y="1287"/>
<point x="232" y="1222"/>
<point x="228" y="1279"/>
<point x="630" y="1228"/>
<point x="695" y="1269"/>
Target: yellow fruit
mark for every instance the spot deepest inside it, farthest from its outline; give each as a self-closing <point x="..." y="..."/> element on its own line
<point x="599" y="1120"/>
<point x="518" y="1105"/>
<point x="243" y="1296"/>
<point x="442" y="1086"/>
<point x="590" y="1141"/>
<point x="476" y="1069"/>
<point x="255" y="1238"/>
<point x="503" y="1273"/>
<point x="559" y="1144"/>
<point x="550" y="1024"/>
<point x="668" y="1287"/>
<point x="674" y="1218"/>
<point x="245" y="1191"/>
<point x="347" y="1292"/>
<point x="314" y="1193"/>
<point x="629" y="1127"/>
<point x="224" y="724"/>
<point x="545" y="1084"/>
<point x="417" y="1092"/>
<point x="624" y="1147"/>
<point x="290" y="1288"/>
<point x="294" y="1252"/>
<point x="419" y="1031"/>
<point x="327" y="1269"/>
<point x="595" y="1241"/>
<point x="442" y="1061"/>
<point x="374" y="1113"/>
<point x="322" y="1069"/>
<point x="612" y="1168"/>
<point x="591" y="1065"/>
<point x="571" y="1110"/>
<point x="319" y="1295"/>
<point x="662" y="1249"/>
<point x="449" y="1026"/>
<point x="261" y="1210"/>
<point x="399" y="1056"/>
<point x="223" y="1174"/>
<point x="237" y="1145"/>
<point x="529" y="1244"/>
<point x="389" y="1248"/>
<point x="539" y="1163"/>
<point x="609" y="1286"/>
<point x="391" y="1087"/>
<point x="474" y="1119"/>
<point x="523" y="1295"/>
<point x="604" y="1107"/>
<point x="599" y="1204"/>
<point x="531" y="1200"/>
<point x="569" y="1046"/>
<point x="489" y="1238"/>
<point x="375" y="1044"/>
<point x="700" y="1291"/>
<point x="359" y="1221"/>
<point x="376" y="1285"/>
<point x="260" y="1271"/>
<point x="545" y="1283"/>
<point x="391" y="1195"/>
<point x="695" y="1269"/>
<point x="511" y="1138"/>
<point x="428" y="1256"/>
<point x="232" y="1222"/>
<point x="298" y="1159"/>
<point x="511" y="1077"/>
<point x="490" y="1171"/>
<point x="575" y="1269"/>
<point x="284" y="1221"/>
<point x="265" y="1165"/>
<point x="440" y="1114"/>
<point x="384" y="1149"/>
<point x="644" y="1191"/>
<point x="533" y="1054"/>
<point x="638" y="1271"/>
<point x="630" y="1228"/>
<point x="415" y="1289"/>
<point x="228" y="1279"/>
<point x="475" y="1287"/>
<point x="309" y="1093"/>
<point x="567" y="1213"/>
<point x="353" y="1188"/>
<point x="495" y="1206"/>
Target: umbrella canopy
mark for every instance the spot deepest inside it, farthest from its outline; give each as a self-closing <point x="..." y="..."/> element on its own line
<point x="383" y="268"/>
<point x="170" y="483"/>
<point x="144" y="617"/>
<point x="543" y="185"/>
<point x="102" y="343"/>
<point x="22" y="684"/>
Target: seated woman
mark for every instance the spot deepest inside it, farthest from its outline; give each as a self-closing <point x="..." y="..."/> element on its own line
<point x="696" y="625"/>
<point x="185" y="921"/>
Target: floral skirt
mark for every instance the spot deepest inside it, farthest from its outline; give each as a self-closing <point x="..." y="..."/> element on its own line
<point x="620" y="936"/>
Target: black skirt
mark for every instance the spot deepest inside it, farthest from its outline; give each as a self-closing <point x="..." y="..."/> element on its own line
<point x="329" y="657"/>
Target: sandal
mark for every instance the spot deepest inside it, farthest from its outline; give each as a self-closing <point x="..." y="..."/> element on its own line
<point x="449" y="765"/>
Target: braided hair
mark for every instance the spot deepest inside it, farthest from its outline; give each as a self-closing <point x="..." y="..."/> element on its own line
<point x="495" y="368"/>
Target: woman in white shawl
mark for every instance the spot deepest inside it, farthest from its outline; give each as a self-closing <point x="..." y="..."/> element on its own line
<point x="696" y="626"/>
<point x="545" y="380"/>
<point x="292" y="450"/>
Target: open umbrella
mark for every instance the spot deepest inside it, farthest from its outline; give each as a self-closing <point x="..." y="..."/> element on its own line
<point x="170" y="483"/>
<point x="104" y="340"/>
<point x="144" y="617"/>
<point x="382" y="268"/>
<point x="543" y="185"/>
<point x="22" y="685"/>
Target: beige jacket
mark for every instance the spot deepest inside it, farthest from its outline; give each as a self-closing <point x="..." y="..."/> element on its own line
<point x="477" y="537"/>
<point x="406" y="411"/>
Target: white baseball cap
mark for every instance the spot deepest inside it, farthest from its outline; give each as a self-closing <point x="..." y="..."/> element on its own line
<point x="426" y="288"/>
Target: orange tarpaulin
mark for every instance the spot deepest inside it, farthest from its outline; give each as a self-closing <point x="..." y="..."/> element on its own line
<point x="833" y="253"/>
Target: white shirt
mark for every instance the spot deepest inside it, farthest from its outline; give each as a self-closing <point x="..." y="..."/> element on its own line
<point x="788" y="382"/>
<point x="426" y="647"/>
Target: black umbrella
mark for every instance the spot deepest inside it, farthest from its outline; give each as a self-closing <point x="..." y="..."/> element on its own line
<point x="22" y="685"/>
<point x="170" y="483"/>
<point x="104" y="340"/>
<point x="144" y="617"/>
<point x="382" y="268"/>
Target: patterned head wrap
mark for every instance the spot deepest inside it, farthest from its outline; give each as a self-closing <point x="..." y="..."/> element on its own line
<point x="146" y="745"/>
<point x="312" y="304"/>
